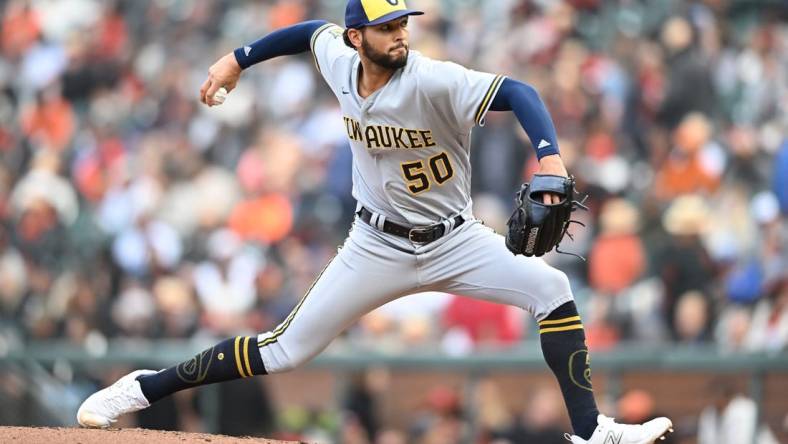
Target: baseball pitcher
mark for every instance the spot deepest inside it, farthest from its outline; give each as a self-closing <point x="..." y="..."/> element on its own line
<point x="409" y="122"/>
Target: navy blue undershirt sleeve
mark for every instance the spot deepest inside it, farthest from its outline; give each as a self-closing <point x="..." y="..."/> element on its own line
<point x="524" y="101"/>
<point x="286" y="41"/>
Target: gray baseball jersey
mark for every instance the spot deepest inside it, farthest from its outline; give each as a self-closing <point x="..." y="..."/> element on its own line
<point x="411" y="138"/>
<point x="410" y="143"/>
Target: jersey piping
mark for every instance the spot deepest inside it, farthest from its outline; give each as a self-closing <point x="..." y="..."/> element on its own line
<point x="487" y="101"/>
<point x="314" y="39"/>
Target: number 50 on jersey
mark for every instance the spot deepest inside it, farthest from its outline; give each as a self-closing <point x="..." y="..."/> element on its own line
<point x="420" y="174"/>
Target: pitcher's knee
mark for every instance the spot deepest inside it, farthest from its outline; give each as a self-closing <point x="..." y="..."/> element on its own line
<point x="554" y="283"/>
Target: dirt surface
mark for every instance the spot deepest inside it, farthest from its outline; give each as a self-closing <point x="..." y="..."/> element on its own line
<point x="51" y="435"/>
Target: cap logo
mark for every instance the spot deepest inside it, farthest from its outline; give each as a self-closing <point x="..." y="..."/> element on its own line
<point x="378" y="8"/>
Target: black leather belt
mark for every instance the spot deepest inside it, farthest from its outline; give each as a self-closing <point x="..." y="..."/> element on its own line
<point x="421" y="235"/>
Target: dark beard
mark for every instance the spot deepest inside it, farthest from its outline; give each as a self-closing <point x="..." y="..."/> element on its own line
<point x="384" y="59"/>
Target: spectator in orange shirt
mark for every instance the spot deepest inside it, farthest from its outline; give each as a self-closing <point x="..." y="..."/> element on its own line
<point x="19" y="29"/>
<point x="617" y="257"/>
<point x="267" y="219"/>
<point x="686" y="170"/>
<point x="51" y="121"/>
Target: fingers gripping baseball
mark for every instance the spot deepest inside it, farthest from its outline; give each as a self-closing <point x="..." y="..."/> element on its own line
<point x="222" y="74"/>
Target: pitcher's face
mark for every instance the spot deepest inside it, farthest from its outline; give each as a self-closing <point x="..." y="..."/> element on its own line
<point x="386" y="44"/>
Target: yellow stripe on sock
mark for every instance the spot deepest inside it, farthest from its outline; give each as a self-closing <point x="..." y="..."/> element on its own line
<point x="554" y="329"/>
<point x="560" y="321"/>
<point x="238" y="357"/>
<point x="246" y="356"/>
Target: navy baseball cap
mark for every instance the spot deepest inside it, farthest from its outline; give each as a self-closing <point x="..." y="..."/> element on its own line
<point x="360" y="13"/>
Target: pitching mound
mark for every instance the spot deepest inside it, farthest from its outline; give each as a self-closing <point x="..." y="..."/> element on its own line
<point x="49" y="435"/>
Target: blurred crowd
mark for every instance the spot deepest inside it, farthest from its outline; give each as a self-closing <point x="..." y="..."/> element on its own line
<point x="486" y="412"/>
<point x="129" y="210"/>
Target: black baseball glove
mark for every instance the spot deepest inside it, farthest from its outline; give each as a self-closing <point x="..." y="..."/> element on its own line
<point x="535" y="227"/>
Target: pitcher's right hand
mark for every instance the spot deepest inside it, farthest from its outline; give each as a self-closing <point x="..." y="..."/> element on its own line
<point x="224" y="73"/>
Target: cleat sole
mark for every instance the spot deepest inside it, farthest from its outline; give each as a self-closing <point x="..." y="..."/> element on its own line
<point x="92" y="421"/>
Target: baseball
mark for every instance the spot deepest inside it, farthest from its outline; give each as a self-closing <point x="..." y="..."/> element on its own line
<point x="220" y="96"/>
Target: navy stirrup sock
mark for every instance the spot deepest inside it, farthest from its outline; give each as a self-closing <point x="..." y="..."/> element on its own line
<point x="564" y="349"/>
<point x="230" y="359"/>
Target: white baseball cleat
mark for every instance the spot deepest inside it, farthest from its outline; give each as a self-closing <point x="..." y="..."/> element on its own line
<point x="609" y="432"/>
<point x="102" y="408"/>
